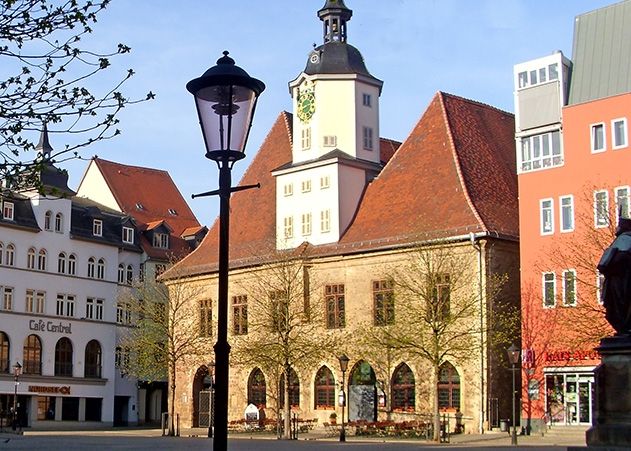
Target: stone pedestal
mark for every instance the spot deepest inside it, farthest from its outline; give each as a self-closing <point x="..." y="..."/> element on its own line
<point x="612" y="407"/>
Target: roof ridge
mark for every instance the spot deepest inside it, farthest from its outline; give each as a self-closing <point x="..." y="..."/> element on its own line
<point x="456" y="158"/>
<point x="475" y="102"/>
<point x="144" y="168"/>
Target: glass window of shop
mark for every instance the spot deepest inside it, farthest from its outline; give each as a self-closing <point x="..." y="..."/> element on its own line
<point x="70" y="409"/>
<point x="93" y="409"/>
<point x="569" y="397"/>
<point x="45" y="408"/>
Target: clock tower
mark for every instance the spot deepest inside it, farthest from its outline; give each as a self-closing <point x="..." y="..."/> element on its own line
<point x="335" y="149"/>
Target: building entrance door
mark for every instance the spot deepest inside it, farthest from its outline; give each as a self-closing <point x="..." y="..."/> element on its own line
<point x="585" y="387"/>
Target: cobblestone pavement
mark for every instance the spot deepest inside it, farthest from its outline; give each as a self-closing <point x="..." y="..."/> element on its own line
<point x="151" y="439"/>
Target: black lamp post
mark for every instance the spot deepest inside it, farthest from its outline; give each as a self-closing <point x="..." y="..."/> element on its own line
<point x="513" y="358"/>
<point x="342" y="401"/>
<point x="211" y="401"/>
<point x="225" y="97"/>
<point x="17" y="371"/>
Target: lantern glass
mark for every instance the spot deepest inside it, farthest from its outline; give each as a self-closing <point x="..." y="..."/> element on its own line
<point x="225" y="114"/>
<point x="513" y="354"/>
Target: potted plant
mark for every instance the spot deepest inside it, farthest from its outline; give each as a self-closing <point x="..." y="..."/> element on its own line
<point x="333" y="418"/>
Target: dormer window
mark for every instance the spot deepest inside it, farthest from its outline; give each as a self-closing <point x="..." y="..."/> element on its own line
<point x="128" y="235"/>
<point x="8" y="210"/>
<point x="172" y="212"/>
<point x="97" y="227"/>
<point x="48" y="220"/>
<point x="139" y="206"/>
<point x="59" y="221"/>
<point x="161" y="240"/>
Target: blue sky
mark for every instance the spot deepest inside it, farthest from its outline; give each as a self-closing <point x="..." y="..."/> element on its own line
<point x="417" y="47"/>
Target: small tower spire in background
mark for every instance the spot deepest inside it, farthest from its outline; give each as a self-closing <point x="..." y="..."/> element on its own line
<point x="44" y="145"/>
<point x="334" y="15"/>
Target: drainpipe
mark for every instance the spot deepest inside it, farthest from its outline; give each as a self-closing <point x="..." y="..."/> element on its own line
<point x="478" y="247"/>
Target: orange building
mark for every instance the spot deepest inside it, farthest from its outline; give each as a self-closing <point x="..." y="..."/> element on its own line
<point x="573" y="160"/>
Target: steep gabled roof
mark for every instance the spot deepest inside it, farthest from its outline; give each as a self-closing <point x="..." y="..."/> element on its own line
<point x="147" y="194"/>
<point x="455" y="174"/>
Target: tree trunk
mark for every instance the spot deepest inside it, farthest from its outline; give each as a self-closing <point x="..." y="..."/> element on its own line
<point x="436" y="369"/>
<point x="172" y="404"/>
<point x="286" y="407"/>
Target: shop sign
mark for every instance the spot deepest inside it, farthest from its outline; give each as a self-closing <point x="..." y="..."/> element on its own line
<point x="50" y="326"/>
<point x="63" y="390"/>
<point x="566" y="356"/>
<point x="527" y="357"/>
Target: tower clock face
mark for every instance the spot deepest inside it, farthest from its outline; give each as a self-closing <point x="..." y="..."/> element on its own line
<point x="306" y="105"/>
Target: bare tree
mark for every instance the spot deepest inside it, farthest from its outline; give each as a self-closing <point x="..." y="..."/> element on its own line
<point x="437" y="309"/>
<point x="46" y="71"/>
<point x="165" y="332"/>
<point x="285" y="322"/>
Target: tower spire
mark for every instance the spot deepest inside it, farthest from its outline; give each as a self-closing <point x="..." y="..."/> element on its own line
<point x="44" y="145"/>
<point x="334" y="15"/>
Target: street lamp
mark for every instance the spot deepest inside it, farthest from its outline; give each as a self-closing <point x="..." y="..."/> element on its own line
<point x="342" y="401"/>
<point x="225" y="97"/>
<point x="17" y="371"/>
<point x="513" y="358"/>
<point x="211" y="401"/>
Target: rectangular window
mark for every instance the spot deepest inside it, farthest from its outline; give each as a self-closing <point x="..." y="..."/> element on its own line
<point x="128" y="235"/>
<point x="161" y="240"/>
<point x="65" y="305"/>
<point x="619" y="133"/>
<point x="549" y="289"/>
<point x="288" y="226"/>
<point x="597" y="137"/>
<point x="7" y="298"/>
<point x="97" y="227"/>
<point x="566" y="205"/>
<point x="40" y="299"/>
<point x="94" y="308"/>
<point x="533" y="77"/>
<point x="288" y="189"/>
<point x="30" y="301"/>
<point x="367" y="135"/>
<point x="329" y="141"/>
<point x="366" y="100"/>
<point x="7" y="210"/>
<point x="306" y="138"/>
<point x="440" y="286"/>
<point x="541" y="151"/>
<point x="569" y="287"/>
<point x="305" y="186"/>
<point x="325" y="182"/>
<point x="205" y="318"/>
<point x="334" y="299"/>
<point x="240" y="315"/>
<point x="622" y="201"/>
<point x="383" y="302"/>
<point x="306" y="224"/>
<point x="546" y="216"/>
<point x="553" y="71"/>
<point x="325" y="221"/>
<point x="119" y="314"/>
<point x="600" y="283"/>
<point x="522" y="79"/>
<point x="601" y="208"/>
<point x="542" y="75"/>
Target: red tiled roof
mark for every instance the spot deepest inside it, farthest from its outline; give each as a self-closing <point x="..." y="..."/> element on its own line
<point x="153" y="189"/>
<point x="453" y="175"/>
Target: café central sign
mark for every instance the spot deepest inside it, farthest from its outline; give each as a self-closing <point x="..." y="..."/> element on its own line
<point x="50" y="326"/>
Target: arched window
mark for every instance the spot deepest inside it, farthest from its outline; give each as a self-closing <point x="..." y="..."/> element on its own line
<point x="130" y="274"/>
<point x="48" y="220"/>
<point x="403" y="388"/>
<point x="59" y="221"/>
<point x="324" y="389"/>
<point x="63" y="357"/>
<point x="121" y="273"/>
<point x="257" y="389"/>
<point x="91" y="267"/>
<point x="61" y="263"/>
<point x="41" y="260"/>
<point x="100" y="269"/>
<point x="9" y="255"/>
<point x="294" y="389"/>
<point x="30" y="258"/>
<point x="72" y="264"/>
<point x="448" y="387"/>
<point x="93" y="359"/>
<point x="5" y="349"/>
<point x="32" y="355"/>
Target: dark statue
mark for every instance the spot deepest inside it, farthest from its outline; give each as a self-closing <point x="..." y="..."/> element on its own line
<point x="615" y="265"/>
